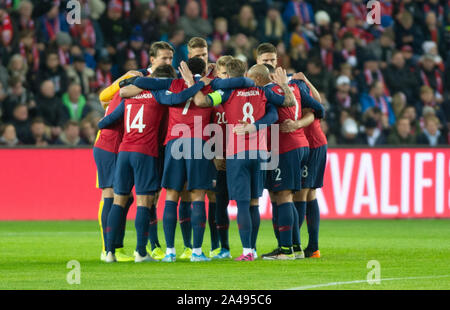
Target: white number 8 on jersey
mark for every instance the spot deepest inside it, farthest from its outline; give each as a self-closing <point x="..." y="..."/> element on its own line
<point x="247" y="110"/>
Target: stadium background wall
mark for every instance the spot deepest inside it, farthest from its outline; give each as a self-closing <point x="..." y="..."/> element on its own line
<point x="59" y="184"/>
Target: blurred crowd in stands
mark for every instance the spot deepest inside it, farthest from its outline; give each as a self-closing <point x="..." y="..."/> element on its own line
<point x="382" y="84"/>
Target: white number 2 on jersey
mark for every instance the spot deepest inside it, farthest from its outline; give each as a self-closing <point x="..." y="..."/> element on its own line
<point x="138" y="121"/>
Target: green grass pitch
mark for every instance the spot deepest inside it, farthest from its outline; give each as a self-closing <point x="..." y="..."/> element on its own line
<point x="413" y="254"/>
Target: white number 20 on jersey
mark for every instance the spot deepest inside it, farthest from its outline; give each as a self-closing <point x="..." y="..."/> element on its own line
<point x="138" y="121"/>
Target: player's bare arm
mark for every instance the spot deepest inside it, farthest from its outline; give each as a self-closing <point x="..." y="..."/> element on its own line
<point x="130" y="91"/>
<point x="280" y="78"/>
<point x="302" y="77"/>
<point x="290" y="125"/>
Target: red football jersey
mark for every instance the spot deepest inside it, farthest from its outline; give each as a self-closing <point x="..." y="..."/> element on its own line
<point x="142" y="120"/>
<point x="247" y="104"/>
<point x="109" y="139"/>
<point x="186" y="114"/>
<point x="296" y="139"/>
<point x="315" y="135"/>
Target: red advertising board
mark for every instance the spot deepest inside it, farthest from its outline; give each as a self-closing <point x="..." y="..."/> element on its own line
<point x="59" y="184"/>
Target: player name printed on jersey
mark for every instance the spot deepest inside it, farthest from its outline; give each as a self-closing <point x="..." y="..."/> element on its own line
<point x="247" y="93"/>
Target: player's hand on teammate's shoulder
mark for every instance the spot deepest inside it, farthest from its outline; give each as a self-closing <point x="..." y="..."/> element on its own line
<point x="280" y="77"/>
<point x="135" y="73"/>
<point x="206" y="80"/>
<point x="299" y="76"/>
<point x="244" y="128"/>
<point x="186" y="73"/>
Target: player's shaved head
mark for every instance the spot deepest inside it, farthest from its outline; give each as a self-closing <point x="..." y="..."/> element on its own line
<point x="164" y="71"/>
<point x="259" y="74"/>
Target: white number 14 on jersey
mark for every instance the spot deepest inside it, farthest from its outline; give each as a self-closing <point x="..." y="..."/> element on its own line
<point x="138" y="121"/>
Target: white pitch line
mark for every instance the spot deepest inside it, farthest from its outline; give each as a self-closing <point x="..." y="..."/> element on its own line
<point x="306" y="287"/>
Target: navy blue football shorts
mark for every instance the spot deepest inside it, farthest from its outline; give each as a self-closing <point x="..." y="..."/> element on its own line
<point x="288" y="174"/>
<point x="186" y="163"/>
<point x="314" y="169"/>
<point x="136" y="169"/>
<point x="106" y="167"/>
<point x="245" y="178"/>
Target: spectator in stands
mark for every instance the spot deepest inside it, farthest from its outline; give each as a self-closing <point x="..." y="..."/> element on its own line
<point x="146" y="17"/>
<point x="348" y="132"/>
<point x="8" y="135"/>
<point x="343" y="99"/>
<point x="115" y="28"/>
<point x="80" y="74"/>
<point x="50" y="24"/>
<point x="383" y="48"/>
<point x="70" y="135"/>
<point x="221" y="30"/>
<point x="272" y="28"/>
<point x="350" y="52"/>
<point x="21" y="122"/>
<point x="242" y="47"/>
<point x="29" y="51"/>
<point x="299" y="57"/>
<point x="74" y="103"/>
<point x="300" y="9"/>
<point x="410" y="59"/>
<point x="399" y="78"/>
<point x="38" y="133"/>
<point x="135" y="49"/>
<point x="429" y="75"/>
<point x="431" y="135"/>
<point x="325" y="51"/>
<point x="87" y="131"/>
<point x="372" y="135"/>
<point x="356" y="8"/>
<point x="410" y="113"/>
<point x="428" y="99"/>
<point x="6" y="29"/>
<point x="398" y="103"/>
<point x="193" y="24"/>
<point x="401" y="133"/>
<point x="63" y="45"/>
<point x="18" y="67"/>
<point x="370" y="74"/>
<point x="320" y="78"/>
<point x="88" y="34"/>
<point x="376" y="98"/>
<point x="17" y="94"/>
<point x="22" y="18"/>
<point x="245" y="22"/>
<point x="49" y="107"/>
<point x="103" y="75"/>
<point x="432" y="31"/>
<point x="176" y="40"/>
<point x="54" y="71"/>
<point x="407" y="33"/>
